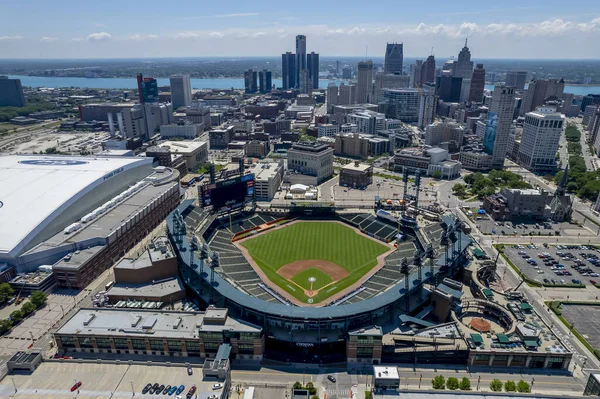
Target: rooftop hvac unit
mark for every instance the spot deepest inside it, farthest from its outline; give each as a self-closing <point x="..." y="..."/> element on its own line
<point x="88" y="319"/>
<point x="136" y="320"/>
<point x="72" y="227"/>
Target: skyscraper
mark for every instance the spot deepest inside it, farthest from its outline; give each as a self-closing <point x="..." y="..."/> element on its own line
<point x="539" y="90"/>
<point x="498" y="124"/>
<point x="347" y="94"/>
<point x="463" y="67"/>
<point x="312" y="63"/>
<point x="300" y="55"/>
<point x="394" y="57"/>
<point x="365" y="82"/>
<point x="11" y="92"/>
<point x="181" y="91"/>
<point x="477" y="84"/>
<point x="541" y="135"/>
<point x="288" y="70"/>
<point x="516" y="79"/>
<point x="250" y="85"/>
<point x="428" y="70"/>
<point x="147" y="89"/>
<point x="304" y="85"/>
<point x="332" y="96"/>
<point x="347" y="72"/>
<point x="264" y="81"/>
<point x="416" y="73"/>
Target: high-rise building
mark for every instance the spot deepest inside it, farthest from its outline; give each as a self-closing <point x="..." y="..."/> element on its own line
<point x="300" y="55"/>
<point x="347" y="94"/>
<point x="540" y="90"/>
<point x="11" y="92"/>
<point x="415" y="74"/>
<point x="429" y="70"/>
<point x="312" y="64"/>
<point x="394" y="57"/>
<point x="365" y="82"/>
<point x="250" y="81"/>
<point x="539" y="143"/>
<point x="338" y="68"/>
<point x="499" y="124"/>
<point x="444" y="132"/>
<point x="477" y="84"/>
<point x="449" y="88"/>
<point x="332" y="96"/>
<point x="304" y="85"/>
<point x="181" y="91"/>
<point x="147" y="89"/>
<point x="347" y="72"/>
<point x="409" y="105"/>
<point x="463" y="67"/>
<point x="387" y="81"/>
<point x="265" y="82"/>
<point x="516" y="79"/>
<point x="288" y="70"/>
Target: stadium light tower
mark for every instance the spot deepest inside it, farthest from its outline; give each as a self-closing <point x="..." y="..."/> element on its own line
<point x="458" y="224"/>
<point x="417" y="262"/>
<point x="405" y="272"/>
<point x="429" y="254"/>
<point x="215" y="262"/>
<point x="444" y="242"/>
<point x="203" y="257"/>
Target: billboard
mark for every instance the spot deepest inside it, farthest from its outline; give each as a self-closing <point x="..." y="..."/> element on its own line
<point x="228" y="194"/>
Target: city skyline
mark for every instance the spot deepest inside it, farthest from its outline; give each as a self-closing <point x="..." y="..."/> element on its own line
<point x="95" y="31"/>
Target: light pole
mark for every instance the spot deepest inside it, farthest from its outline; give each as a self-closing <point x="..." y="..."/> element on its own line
<point x="13" y="381"/>
<point x="132" y="390"/>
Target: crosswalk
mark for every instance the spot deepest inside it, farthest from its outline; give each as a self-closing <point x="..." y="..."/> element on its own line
<point x="338" y="393"/>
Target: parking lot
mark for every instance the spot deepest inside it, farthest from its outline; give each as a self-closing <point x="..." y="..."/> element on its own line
<point x="530" y="228"/>
<point x="54" y="380"/>
<point x="557" y="264"/>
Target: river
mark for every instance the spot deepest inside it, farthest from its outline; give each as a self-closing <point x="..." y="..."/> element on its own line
<point x="222" y="83"/>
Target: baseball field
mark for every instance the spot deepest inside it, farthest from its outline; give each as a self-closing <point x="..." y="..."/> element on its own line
<point x="313" y="261"/>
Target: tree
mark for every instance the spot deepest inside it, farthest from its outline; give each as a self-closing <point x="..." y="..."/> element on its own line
<point x="6" y="291"/>
<point x="465" y="384"/>
<point x="5" y="325"/>
<point x="297" y="385"/>
<point x="452" y="383"/>
<point x="510" y="386"/>
<point x="28" y="308"/>
<point x="38" y="298"/>
<point x="496" y="385"/>
<point x="16" y="316"/>
<point x="460" y="190"/>
<point x="437" y="174"/>
<point x="523" y="387"/>
<point x="439" y="382"/>
<point x="311" y="388"/>
<point x="315" y="397"/>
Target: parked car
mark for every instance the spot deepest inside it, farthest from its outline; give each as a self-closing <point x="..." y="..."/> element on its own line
<point x="217" y="386"/>
<point x="180" y="389"/>
<point x="76" y="386"/>
<point x="166" y="390"/>
<point x="190" y="371"/>
<point x="146" y="388"/>
<point x="172" y="390"/>
<point x="191" y="392"/>
<point x="331" y="378"/>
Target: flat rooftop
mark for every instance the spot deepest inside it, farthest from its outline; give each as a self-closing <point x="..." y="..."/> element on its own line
<point x="363" y="167"/>
<point x="264" y="171"/>
<point x="34" y="189"/>
<point x="157" y="324"/>
<point x="183" y="147"/>
<point x="385" y="372"/>
<point x="157" y="290"/>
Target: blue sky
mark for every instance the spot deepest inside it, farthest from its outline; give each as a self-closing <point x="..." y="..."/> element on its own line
<point x="159" y="28"/>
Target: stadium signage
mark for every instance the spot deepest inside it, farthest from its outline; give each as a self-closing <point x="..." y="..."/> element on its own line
<point x="113" y="173"/>
<point x="305" y="344"/>
<point x="53" y="162"/>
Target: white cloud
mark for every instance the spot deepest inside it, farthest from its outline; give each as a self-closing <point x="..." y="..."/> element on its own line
<point x="216" y="34"/>
<point x="356" y="31"/>
<point x="259" y="34"/>
<point x="243" y="14"/>
<point x="48" y="39"/>
<point x="100" y="36"/>
<point x="187" y="35"/>
<point x="138" y="37"/>
<point x="76" y="39"/>
<point x="10" y="38"/>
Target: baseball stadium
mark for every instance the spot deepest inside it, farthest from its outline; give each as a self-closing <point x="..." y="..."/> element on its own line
<point x="311" y="275"/>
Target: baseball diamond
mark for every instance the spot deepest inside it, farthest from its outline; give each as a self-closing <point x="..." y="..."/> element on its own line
<point x="320" y="260"/>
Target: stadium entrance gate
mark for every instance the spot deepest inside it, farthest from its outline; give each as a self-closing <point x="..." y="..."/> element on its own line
<point x="297" y="351"/>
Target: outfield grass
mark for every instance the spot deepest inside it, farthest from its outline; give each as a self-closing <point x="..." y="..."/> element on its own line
<point x="328" y="241"/>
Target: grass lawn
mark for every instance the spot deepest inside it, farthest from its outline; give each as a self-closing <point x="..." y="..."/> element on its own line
<point x="328" y="241"/>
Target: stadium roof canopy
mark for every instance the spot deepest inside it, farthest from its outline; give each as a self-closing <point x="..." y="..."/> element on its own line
<point x="35" y="190"/>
